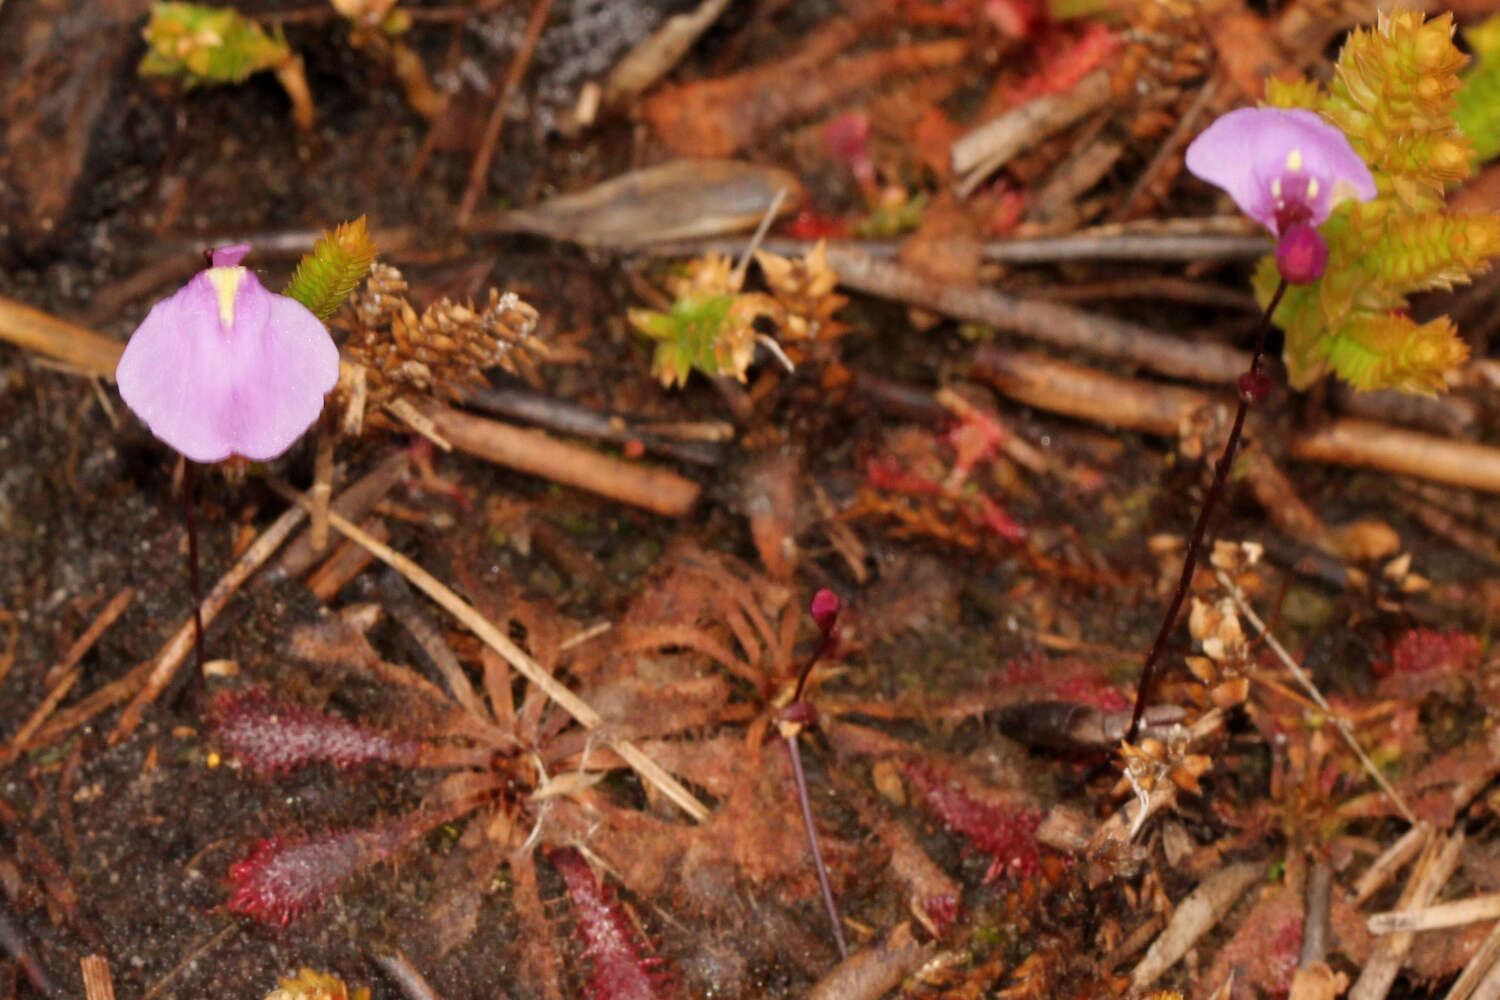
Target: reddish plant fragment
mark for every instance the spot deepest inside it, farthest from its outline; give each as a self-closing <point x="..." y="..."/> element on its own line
<point x="280" y="879"/>
<point x="1262" y="955"/>
<point x="1422" y="650"/>
<point x="1008" y="836"/>
<point x="268" y="736"/>
<point x="1070" y="678"/>
<point x="809" y="224"/>
<point x="1063" y="60"/>
<point x="620" y="970"/>
<point x="848" y="139"/>
<point x="1015" y="18"/>
<point x="1424" y="661"/>
<point x="934" y="897"/>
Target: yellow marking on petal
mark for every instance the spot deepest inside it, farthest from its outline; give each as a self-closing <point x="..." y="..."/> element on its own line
<point x="1276" y="189"/>
<point x="1294" y="160"/>
<point x="226" y="281"/>
<point x="1312" y="188"/>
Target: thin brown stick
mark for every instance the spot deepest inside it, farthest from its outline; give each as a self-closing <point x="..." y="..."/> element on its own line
<point x="322" y="491"/>
<point x="1195" y="916"/>
<point x="1319" y="903"/>
<point x="486" y="151"/>
<point x="1166" y="287"/>
<point x="1405" y="453"/>
<point x="354" y="503"/>
<point x="982" y="151"/>
<point x="1210" y="238"/>
<point x="97" y="982"/>
<point x="654" y="488"/>
<point x="39" y="716"/>
<point x="1428" y="878"/>
<point x="345" y="563"/>
<point x="399" y="968"/>
<point x="1048" y="322"/>
<point x="575" y="706"/>
<point x="8" y="654"/>
<point x="1384" y="867"/>
<point x="1482" y="968"/>
<point x="1341" y="723"/>
<point x="210" y="942"/>
<point x="1169" y="147"/>
<point x="1135" y="404"/>
<point x="1431" y="918"/>
<point x="85" y="642"/>
<point x="45" y="334"/>
<point x="166" y="662"/>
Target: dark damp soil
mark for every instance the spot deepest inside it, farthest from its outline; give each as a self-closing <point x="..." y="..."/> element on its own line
<point x="143" y="831"/>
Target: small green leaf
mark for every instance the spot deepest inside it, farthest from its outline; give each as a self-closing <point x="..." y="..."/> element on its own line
<point x="1478" y="111"/>
<point x="338" y="263"/>
<point x="688" y="337"/>
<point x="207" y="45"/>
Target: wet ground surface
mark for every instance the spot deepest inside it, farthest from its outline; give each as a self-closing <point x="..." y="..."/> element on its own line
<point x="143" y="831"/>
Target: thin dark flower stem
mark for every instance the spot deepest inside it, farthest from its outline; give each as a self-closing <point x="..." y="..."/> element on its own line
<point x="1248" y="395"/>
<point x="827" y="645"/>
<point x="795" y="753"/>
<point x="189" y="504"/>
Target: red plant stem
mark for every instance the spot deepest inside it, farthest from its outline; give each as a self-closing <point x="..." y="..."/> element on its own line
<point x="795" y="753"/>
<point x="189" y="500"/>
<point x="1200" y="527"/>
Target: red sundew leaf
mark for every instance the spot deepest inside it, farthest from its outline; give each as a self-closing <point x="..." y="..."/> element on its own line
<point x="1001" y="523"/>
<point x="1006" y="835"/>
<point x="620" y="970"/>
<point x="885" y="474"/>
<point x="1070" y="678"/>
<point x="1424" y="650"/>
<point x="1064" y="60"/>
<point x="1262" y="954"/>
<point x="811" y="225"/>
<point x="848" y="139"/>
<point x="280" y="879"/>
<point x="1426" y="660"/>
<point x="270" y="736"/>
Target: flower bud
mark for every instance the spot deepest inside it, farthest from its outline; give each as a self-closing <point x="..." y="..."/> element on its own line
<point x="1301" y="255"/>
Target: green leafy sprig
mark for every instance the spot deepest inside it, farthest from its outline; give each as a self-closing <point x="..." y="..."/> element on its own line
<point x="1478" y="111"/>
<point x="1393" y="95"/>
<point x="338" y="263"/>
<point x="208" y="45"/>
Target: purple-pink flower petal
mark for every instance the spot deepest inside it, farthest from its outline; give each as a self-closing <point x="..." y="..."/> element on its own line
<point x="231" y="255"/>
<point x="224" y="367"/>
<point x="1282" y="166"/>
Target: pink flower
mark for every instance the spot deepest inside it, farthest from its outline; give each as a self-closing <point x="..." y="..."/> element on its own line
<point x="224" y="367"/>
<point x="1287" y="169"/>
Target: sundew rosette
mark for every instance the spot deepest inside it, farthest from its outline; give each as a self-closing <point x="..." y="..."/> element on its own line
<point x="225" y="367"/>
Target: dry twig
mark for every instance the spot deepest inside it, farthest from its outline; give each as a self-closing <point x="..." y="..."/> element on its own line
<point x="1194" y="917"/>
<point x="1341" y="723"/>
<point x="656" y="489"/>
<point x="486" y="151"/>
<point x="76" y="346"/>
<point x="575" y="706"/>
<point x="97" y="982"/>
<point x="1455" y="914"/>
<point x="1428" y="878"/>
<point x="987" y="148"/>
